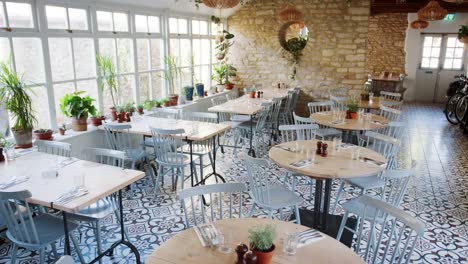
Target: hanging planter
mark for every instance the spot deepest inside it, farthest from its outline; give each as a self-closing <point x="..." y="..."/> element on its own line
<point x="432" y="12"/>
<point x="463" y="34"/>
<point x="419" y="24"/>
<point x="221" y="4"/>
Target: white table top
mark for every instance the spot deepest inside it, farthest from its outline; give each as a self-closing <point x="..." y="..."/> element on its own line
<point x="335" y="165"/>
<point x="205" y="130"/>
<point x="326" y="119"/>
<point x="245" y="105"/>
<point x="100" y="180"/>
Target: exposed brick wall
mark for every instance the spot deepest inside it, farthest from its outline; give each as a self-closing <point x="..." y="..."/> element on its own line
<point x="386" y="43"/>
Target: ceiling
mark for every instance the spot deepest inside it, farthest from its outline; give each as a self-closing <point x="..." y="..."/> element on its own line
<point x="412" y="6"/>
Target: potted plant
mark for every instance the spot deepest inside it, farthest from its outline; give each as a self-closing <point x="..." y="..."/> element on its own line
<point x="43" y="134"/>
<point x="200" y="89"/>
<point x="96" y="119"/>
<point x="62" y="129"/>
<point x="165" y="102"/>
<point x="463" y="34"/>
<point x="14" y="93"/>
<point x="261" y="242"/>
<point x="189" y="88"/>
<point x="129" y="109"/>
<point x="140" y="108"/>
<point x="353" y="108"/>
<point x="219" y="75"/>
<point x="365" y="93"/>
<point x="107" y="80"/>
<point x="252" y="92"/>
<point x="223" y="43"/>
<point x="121" y="114"/>
<point x="3" y="143"/>
<point x="78" y="108"/>
<point x="170" y="74"/>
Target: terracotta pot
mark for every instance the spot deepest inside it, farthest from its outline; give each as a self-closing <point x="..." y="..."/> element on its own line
<point x="44" y="135"/>
<point x="2" y="158"/>
<point x="140" y="111"/>
<point x="122" y="117"/>
<point x="167" y="104"/>
<point x="351" y="115"/>
<point x="113" y="114"/>
<point x="96" y="121"/>
<point x="264" y="257"/>
<point x="229" y="86"/>
<point x="23" y="138"/>
<point x="464" y="40"/>
<point x="61" y="131"/>
<point x="252" y="94"/>
<point x="79" y="124"/>
<point x="128" y="117"/>
<point x="365" y="97"/>
<point x="173" y="99"/>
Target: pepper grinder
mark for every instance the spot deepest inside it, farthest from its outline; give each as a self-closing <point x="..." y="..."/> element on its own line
<point x="319" y="148"/>
<point x="250" y="258"/>
<point x="324" y="150"/>
<point x="241" y="249"/>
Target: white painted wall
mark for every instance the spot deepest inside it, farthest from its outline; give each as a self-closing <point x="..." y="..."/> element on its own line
<point x="413" y="47"/>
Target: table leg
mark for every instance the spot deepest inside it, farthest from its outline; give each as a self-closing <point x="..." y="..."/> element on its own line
<point x="318" y="204"/>
<point x="214" y="173"/>
<point x="219" y="143"/>
<point x="192" y="168"/>
<point x="65" y="229"/>
<point x="251" y="150"/>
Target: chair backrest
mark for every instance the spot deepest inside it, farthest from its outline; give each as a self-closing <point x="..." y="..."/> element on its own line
<point x="299" y="120"/>
<point x="396" y="184"/>
<point x="275" y="110"/>
<point x="298" y="132"/>
<point x="394" y="129"/>
<point x="221" y="200"/>
<point x="171" y="113"/>
<point x="394" y="238"/>
<point x="201" y="117"/>
<point x="231" y="96"/>
<point x="21" y="226"/>
<point x="167" y="144"/>
<point x="262" y="117"/>
<point x="223" y="117"/>
<point x="390" y="113"/>
<point x="339" y="92"/>
<point x="391" y="96"/>
<point x="257" y="169"/>
<point x="118" y="136"/>
<point x="392" y="104"/>
<point x="53" y="147"/>
<point x="297" y="92"/>
<point x="288" y="107"/>
<point x="315" y="107"/>
<point x="104" y="156"/>
<point x="339" y="103"/>
<point x="385" y="145"/>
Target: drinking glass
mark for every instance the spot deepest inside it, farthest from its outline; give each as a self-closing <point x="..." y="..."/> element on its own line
<point x="310" y="155"/>
<point x="336" y="144"/>
<point x="225" y="241"/>
<point x="355" y="153"/>
<point x="368" y="117"/>
<point x="290" y="242"/>
<point x="195" y="128"/>
<point x="79" y="181"/>
<point x="10" y="153"/>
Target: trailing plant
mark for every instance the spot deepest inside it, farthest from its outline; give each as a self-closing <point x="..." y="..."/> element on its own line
<point x="295" y="46"/>
<point x="261" y="237"/>
<point x="171" y="73"/>
<point x="4" y="143"/>
<point x="107" y="78"/>
<point x="42" y="130"/>
<point x="14" y="92"/>
<point x="463" y="31"/>
<point x="223" y="43"/>
<point x="74" y="105"/>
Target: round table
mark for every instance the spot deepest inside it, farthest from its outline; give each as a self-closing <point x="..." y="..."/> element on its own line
<point x="185" y="247"/>
<point x="338" y="165"/>
<point x="374" y="104"/>
<point x="326" y="119"/>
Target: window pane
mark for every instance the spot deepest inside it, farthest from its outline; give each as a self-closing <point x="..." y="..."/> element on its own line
<point x="126" y="84"/>
<point x="448" y="63"/>
<point x="457" y="64"/>
<point x="20" y="15"/>
<point x="104" y="21"/>
<point x="203" y="28"/>
<point x="183" y="26"/>
<point x="39" y="95"/>
<point x="213" y="51"/>
<point x="425" y="63"/>
<point x="5" y="52"/>
<point x="426" y="51"/>
<point x="156" y="50"/>
<point x="90" y="89"/>
<point x="59" y="91"/>
<point x="206" y="75"/>
<point x="143" y="56"/>
<point x="451" y="42"/>
<point x="153" y="24"/>
<point x="28" y="58"/>
<point x="61" y="59"/>
<point x="56" y="17"/>
<point x="185" y="77"/>
<point x="125" y="55"/>
<point x="449" y="53"/>
<point x="85" y="63"/>
<point x="427" y="41"/>
<point x="173" y="25"/>
<point x="434" y="63"/>
<point x="107" y="47"/>
<point x="174" y="49"/>
<point x="205" y="51"/>
<point x="196" y="51"/>
<point x="144" y="87"/>
<point x="121" y="22"/>
<point x="435" y="52"/>
<point x="78" y="18"/>
<point x="2" y="17"/>
<point x="185" y="52"/>
<point x="156" y="82"/>
<point x="195" y="27"/>
<point x="436" y="41"/>
<point x="458" y="53"/>
<point x="141" y="23"/>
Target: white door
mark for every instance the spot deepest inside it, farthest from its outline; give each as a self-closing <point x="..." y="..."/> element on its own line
<point x="441" y="59"/>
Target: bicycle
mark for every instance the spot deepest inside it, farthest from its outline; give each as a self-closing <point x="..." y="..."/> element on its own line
<point x="457" y="91"/>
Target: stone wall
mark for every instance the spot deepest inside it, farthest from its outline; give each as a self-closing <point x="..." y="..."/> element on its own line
<point x="386" y="43"/>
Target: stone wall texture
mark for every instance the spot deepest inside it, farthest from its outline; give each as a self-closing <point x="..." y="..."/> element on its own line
<point x="335" y="56"/>
<point x="386" y="43"/>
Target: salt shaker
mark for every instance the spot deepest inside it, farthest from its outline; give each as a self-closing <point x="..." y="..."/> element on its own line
<point x="250" y="258"/>
<point x="324" y="150"/>
<point x="319" y="148"/>
<point x="241" y="249"/>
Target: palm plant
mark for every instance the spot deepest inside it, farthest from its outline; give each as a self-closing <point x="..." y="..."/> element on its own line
<point x="171" y="73"/>
<point x="14" y="92"/>
<point x="107" y="78"/>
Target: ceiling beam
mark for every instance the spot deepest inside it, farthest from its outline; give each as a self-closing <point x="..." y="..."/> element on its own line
<point x="382" y="8"/>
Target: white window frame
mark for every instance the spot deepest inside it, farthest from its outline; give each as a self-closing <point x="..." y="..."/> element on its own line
<point x="35" y="19"/>
<point x="67" y="6"/>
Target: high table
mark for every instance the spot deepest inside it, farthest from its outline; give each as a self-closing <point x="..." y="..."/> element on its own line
<point x="245" y="105"/>
<point x="326" y="119"/>
<point x="205" y="131"/>
<point x="373" y="104"/>
<point x="337" y="165"/>
<point x="185" y="248"/>
<point x="100" y="180"/>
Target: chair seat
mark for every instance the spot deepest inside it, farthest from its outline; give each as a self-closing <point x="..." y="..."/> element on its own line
<point x="197" y="149"/>
<point x="148" y="142"/>
<point x="240" y="118"/>
<point x="176" y="160"/>
<point x="367" y="183"/>
<point x="98" y="210"/>
<point x="355" y="206"/>
<point x="327" y="132"/>
<point x="135" y="154"/>
<point x="281" y="196"/>
<point x="49" y="229"/>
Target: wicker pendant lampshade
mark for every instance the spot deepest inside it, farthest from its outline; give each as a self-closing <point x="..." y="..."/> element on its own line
<point x="454" y="1"/>
<point x="290" y="13"/>
<point x="432" y="12"/>
<point x="221" y="4"/>
<point x="419" y="24"/>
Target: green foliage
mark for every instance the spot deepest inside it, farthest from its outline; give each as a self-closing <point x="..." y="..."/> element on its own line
<point x="140" y="106"/>
<point x="163" y="100"/>
<point x="14" y="93"/>
<point x="463" y="31"/>
<point x="353" y="106"/>
<point x="261" y="237"/>
<point x="5" y="143"/>
<point x="129" y="107"/>
<point x="42" y="130"/>
<point x="74" y="105"/>
<point x="120" y="109"/>
<point x="171" y="73"/>
<point x="107" y="78"/>
<point x="222" y="72"/>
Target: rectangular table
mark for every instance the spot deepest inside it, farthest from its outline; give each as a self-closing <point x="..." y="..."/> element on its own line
<point x="100" y="180"/>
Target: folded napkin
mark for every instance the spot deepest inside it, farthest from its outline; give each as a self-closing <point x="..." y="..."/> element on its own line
<point x="284" y="148"/>
<point x="307" y="237"/>
<point x="302" y="163"/>
<point x="207" y="234"/>
<point x="347" y="145"/>
<point x="338" y="122"/>
<point x="378" y="123"/>
<point x="13" y="181"/>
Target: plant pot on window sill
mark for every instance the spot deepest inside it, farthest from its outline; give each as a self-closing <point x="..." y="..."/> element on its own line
<point x="42" y="134"/>
<point x="79" y="124"/>
<point x="96" y="121"/>
<point x="220" y="87"/>
<point x="23" y="137"/>
<point x="173" y="99"/>
<point x="122" y="117"/>
<point x="229" y="86"/>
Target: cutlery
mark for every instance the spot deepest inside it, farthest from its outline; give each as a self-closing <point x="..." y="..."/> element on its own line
<point x="71" y="195"/>
<point x="378" y="123"/>
<point x="338" y="123"/>
<point x="205" y="241"/>
<point x="376" y="162"/>
<point x="209" y="238"/>
<point x="67" y="162"/>
<point x="284" y="148"/>
<point x="14" y="181"/>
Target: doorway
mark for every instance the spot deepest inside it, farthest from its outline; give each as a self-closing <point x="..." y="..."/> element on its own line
<point x="442" y="58"/>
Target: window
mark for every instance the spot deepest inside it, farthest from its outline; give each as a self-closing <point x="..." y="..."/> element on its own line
<point x="112" y="21"/>
<point x="150" y="54"/>
<point x="66" y="18"/>
<point x="178" y="26"/>
<point x="431" y="52"/>
<point x="199" y="27"/>
<point x="453" y="54"/>
<point x="18" y="15"/>
<point x="147" y="24"/>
